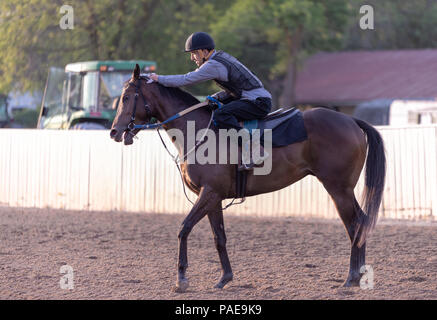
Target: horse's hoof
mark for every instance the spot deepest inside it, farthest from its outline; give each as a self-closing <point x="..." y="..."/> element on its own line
<point x="352" y="282"/>
<point x="224" y="280"/>
<point x="181" y="286"/>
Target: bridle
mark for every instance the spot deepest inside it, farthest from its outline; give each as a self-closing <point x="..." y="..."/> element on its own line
<point x="131" y="125"/>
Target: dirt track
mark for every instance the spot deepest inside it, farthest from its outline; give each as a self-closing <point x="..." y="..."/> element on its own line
<point x="133" y="256"/>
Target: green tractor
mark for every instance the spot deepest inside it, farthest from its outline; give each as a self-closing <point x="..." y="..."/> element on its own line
<point x="4" y="116"/>
<point x="86" y="94"/>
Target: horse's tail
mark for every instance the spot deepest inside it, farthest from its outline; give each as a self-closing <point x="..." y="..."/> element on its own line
<point x="374" y="181"/>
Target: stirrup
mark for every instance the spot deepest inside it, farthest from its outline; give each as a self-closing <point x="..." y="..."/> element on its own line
<point x="252" y="164"/>
<point x="261" y="159"/>
<point x="246" y="167"/>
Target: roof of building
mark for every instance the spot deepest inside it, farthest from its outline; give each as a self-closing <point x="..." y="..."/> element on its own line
<point x="348" y="78"/>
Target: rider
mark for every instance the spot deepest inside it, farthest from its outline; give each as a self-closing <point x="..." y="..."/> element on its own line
<point x="244" y="96"/>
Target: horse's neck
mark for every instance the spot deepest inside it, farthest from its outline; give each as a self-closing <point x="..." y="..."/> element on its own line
<point x="190" y="123"/>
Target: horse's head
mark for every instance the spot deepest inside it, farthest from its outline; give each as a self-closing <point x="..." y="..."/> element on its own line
<point x="136" y="107"/>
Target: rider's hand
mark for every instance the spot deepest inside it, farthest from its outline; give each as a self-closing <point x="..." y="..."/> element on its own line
<point x="154" y="77"/>
<point x="213" y="102"/>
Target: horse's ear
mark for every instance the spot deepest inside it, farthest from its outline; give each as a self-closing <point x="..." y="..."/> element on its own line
<point x="136" y="73"/>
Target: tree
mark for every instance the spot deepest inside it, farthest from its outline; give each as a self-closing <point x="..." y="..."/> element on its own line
<point x="398" y="25"/>
<point x="273" y="36"/>
<point x="31" y="39"/>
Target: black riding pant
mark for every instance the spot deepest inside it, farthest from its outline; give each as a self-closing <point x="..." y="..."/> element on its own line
<point x="228" y="116"/>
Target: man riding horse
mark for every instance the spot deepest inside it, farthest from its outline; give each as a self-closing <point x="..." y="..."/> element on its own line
<point x="244" y="96"/>
<point x="334" y="152"/>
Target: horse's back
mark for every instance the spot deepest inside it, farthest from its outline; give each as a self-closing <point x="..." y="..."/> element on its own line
<point x="337" y="144"/>
<point x="322" y="120"/>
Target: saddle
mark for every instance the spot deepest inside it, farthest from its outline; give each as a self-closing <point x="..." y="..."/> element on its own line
<point x="271" y="121"/>
<point x="287" y="127"/>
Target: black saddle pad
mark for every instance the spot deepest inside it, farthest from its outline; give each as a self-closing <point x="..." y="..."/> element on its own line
<point x="287" y="127"/>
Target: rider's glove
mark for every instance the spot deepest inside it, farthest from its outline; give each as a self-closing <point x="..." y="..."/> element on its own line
<point x="213" y="102"/>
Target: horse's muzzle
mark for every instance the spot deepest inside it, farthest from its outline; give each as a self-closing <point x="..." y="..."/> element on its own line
<point x="117" y="135"/>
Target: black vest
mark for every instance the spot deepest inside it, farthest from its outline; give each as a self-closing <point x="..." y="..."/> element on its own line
<point x="239" y="78"/>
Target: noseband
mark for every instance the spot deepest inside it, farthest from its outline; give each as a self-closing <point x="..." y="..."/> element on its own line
<point x="131" y="125"/>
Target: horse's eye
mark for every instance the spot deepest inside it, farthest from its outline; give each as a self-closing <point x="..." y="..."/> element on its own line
<point x="125" y="98"/>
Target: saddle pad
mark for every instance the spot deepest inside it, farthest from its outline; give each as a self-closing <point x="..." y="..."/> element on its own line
<point x="250" y="125"/>
<point x="288" y="127"/>
<point x="292" y="130"/>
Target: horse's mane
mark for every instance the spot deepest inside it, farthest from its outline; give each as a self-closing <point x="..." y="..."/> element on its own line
<point x="171" y="92"/>
<point x="178" y="94"/>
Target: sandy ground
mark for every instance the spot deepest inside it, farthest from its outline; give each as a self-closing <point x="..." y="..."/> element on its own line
<point x="134" y="256"/>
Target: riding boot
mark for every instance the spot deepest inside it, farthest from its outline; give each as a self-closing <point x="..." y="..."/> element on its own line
<point x="258" y="157"/>
<point x="249" y="160"/>
<point x="246" y="160"/>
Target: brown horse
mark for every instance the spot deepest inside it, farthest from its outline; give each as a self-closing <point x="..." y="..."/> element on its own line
<point x="335" y="152"/>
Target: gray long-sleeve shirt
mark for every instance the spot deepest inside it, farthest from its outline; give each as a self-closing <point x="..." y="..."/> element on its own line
<point x="210" y="70"/>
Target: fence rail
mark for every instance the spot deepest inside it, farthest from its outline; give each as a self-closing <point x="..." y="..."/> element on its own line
<point x="85" y="170"/>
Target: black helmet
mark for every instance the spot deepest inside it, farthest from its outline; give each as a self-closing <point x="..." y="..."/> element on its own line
<point x="199" y="40"/>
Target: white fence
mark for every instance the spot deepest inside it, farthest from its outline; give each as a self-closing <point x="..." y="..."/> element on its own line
<point x="86" y="170"/>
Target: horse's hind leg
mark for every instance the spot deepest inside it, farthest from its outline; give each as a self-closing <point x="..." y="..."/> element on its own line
<point x="218" y="228"/>
<point x="351" y="215"/>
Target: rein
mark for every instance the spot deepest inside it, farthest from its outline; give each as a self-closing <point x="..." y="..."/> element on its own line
<point x="132" y="126"/>
<point x="174" y="117"/>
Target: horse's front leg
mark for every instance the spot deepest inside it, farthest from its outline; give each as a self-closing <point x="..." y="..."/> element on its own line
<point x="207" y="200"/>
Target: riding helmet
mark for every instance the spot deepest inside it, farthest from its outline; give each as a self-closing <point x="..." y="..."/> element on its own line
<point x="199" y="40"/>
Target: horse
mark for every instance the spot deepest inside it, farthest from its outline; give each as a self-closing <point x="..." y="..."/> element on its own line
<point x="334" y="152"/>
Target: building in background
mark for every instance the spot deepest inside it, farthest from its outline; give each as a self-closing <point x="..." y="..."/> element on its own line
<point x="373" y="85"/>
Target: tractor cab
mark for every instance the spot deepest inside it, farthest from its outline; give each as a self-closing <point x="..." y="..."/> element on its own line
<point x="85" y="95"/>
<point x="4" y="116"/>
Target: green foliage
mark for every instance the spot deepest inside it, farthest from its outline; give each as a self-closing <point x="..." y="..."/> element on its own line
<point x="398" y="25"/>
<point x="244" y="32"/>
<point x="269" y="36"/>
<point x="31" y="40"/>
<point x="272" y="36"/>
